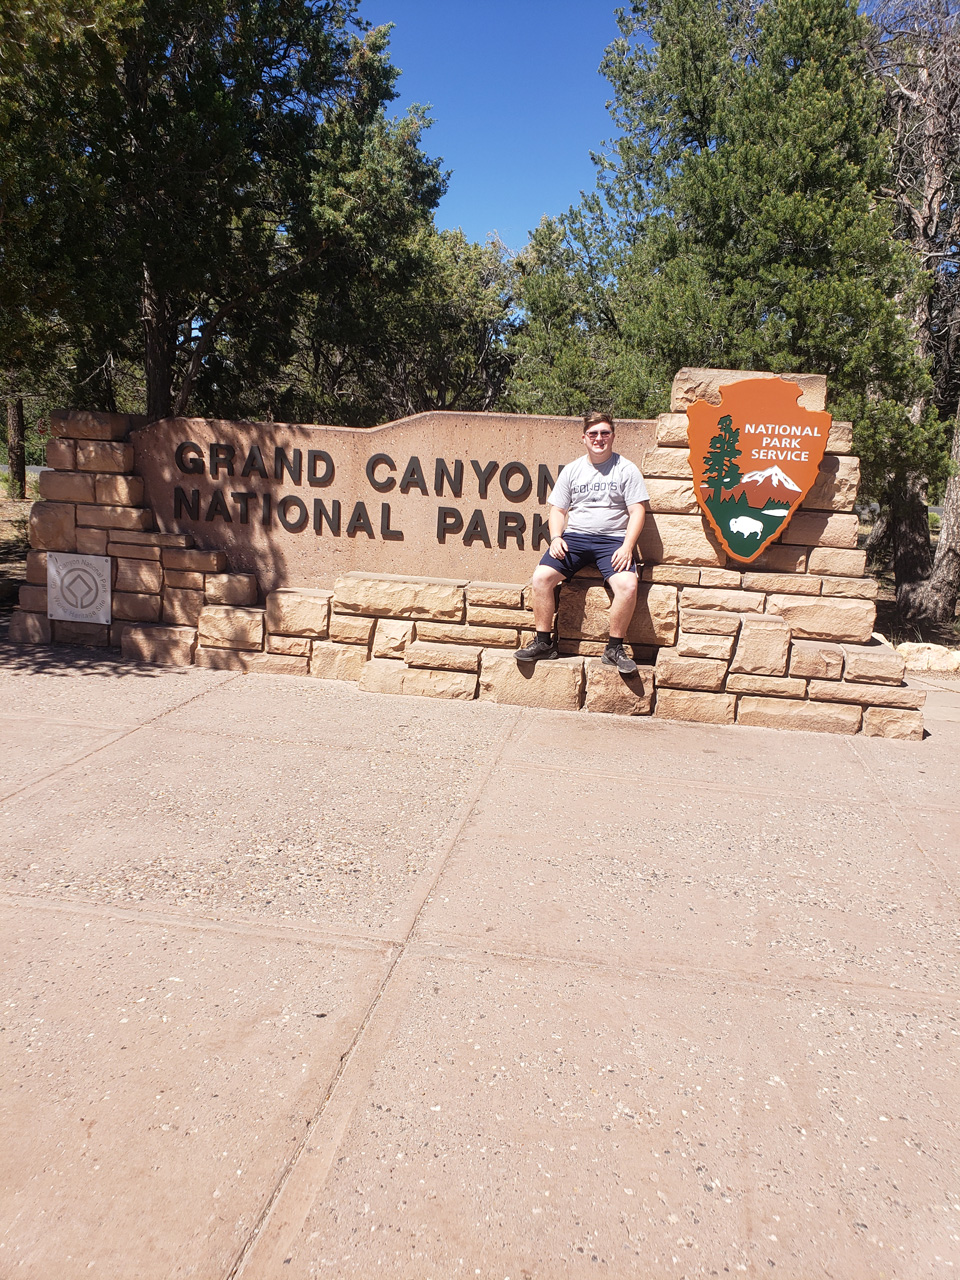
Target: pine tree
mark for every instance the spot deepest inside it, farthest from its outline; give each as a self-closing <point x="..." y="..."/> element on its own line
<point x="720" y="464"/>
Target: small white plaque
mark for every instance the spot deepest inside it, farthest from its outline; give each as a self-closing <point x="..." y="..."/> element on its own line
<point x="78" y="587"/>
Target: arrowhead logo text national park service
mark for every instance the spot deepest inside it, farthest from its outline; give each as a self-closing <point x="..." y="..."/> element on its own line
<point x="754" y="458"/>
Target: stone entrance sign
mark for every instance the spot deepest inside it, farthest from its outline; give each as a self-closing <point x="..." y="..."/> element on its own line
<point x="443" y="495"/>
<point x="400" y="558"/>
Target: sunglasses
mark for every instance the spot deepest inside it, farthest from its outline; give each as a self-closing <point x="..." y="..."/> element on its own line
<point x="597" y="435"/>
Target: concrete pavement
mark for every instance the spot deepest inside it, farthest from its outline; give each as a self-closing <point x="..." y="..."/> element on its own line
<point x="305" y="982"/>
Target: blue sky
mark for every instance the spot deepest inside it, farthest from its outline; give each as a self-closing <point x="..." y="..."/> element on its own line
<point x="516" y="97"/>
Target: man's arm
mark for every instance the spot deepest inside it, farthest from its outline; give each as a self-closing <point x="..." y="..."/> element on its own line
<point x="622" y="558"/>
<point x="557" y="522"/>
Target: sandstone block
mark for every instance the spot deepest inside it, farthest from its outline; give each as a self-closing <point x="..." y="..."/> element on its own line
<point x="763" y="646"/>
<point x="699" y="646"/>
<point x="98" y="517"/>
<point x="873" y="664"/>
<point x="675" y="497"/>
<point x="584" y="614"/>
<point x="299" y="611"/>
<point x="929" y="657"/>
<point x="696" y="706"/>
<point x="785" y="713"/>
<point x="186" y="581"/>
<point x="442" y="657"/>
<point x="138" y="576"/>
<point x="887" y="722"/>
<point x="37" y="568"/>
<point x="392" y="637"/>
<point x="78" y="424"/>
<point x="33" y="599"/>
<point x="709" y="622"/>
<point x="678" y="575"/>
<point x="461" y="685"/>
<point x="871" y="695"/>
<point x="135" y="606"/>
<point x="152" y="538"/>
<point x="161" y="646"/>
<point x="346" y="628"/>
<point x="129" y="550"/>
<point x="331" y="661"/>
<point x="116" y="633"/>
<point x="840" y="439"/>
<point x="398" y="597"/>
<point x="809" y="659"/>
<point x="90" y="635"/>
<point x="834" y="560"/>
<point x="124" y="490"/>
<point x="230" y="588"/>
<point x="53" y="526"/>
<point x="92" y="542"/>
<point x="728" y="578"/>
<point x="818" y="618"/>
<point x="795" y="584"/>
<point x="227" y="627"/>
<point x="29" y="628"/>
<point x="382" y="675"/>
<point x="557" y="685"/>
<point x="478" y="616"/>
<point x="182" y="607"/>
<point x="858" y="588"/>
<point x="780" y="559"/>
<point x="680" y="540"/>
<point x="822" y="529"/>
<point x="769" y="686"/>
<point x="610" y="693"/>
<point x="706" y="384"/>
<point x="835" y="488"/>
<point x="62" y="454"/>
<point x="451" y="633"/>
<point x="104" y="455"/>
<point x="670" y="464"/>
<point x="676" y="672"/>
<point x="672" y="430"/>
<point x="292" y="646"/>
<point x="67" y="486"/>
<point x="495" y="595"/>
<point x="725" y="601"/>
<point x="251" y="663"/>
<point x="188" y="559"/>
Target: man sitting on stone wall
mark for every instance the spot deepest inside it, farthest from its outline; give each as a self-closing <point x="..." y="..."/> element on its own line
<point x="596" y="515"/>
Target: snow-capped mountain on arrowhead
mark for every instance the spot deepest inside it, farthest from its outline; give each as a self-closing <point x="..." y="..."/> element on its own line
<point x="760" y="486"/>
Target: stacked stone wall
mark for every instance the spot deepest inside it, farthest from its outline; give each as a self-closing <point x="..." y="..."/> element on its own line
<point x="786" y="641"/>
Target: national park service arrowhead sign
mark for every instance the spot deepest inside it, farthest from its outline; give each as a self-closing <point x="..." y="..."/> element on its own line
<point x="754" y="458"/>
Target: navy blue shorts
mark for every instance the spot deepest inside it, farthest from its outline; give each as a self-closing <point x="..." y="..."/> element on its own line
<point x="584" y="549"/>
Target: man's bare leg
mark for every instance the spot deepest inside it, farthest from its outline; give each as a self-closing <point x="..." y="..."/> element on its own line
<point x="545" y="583"/>
<point x="624" y="588"/>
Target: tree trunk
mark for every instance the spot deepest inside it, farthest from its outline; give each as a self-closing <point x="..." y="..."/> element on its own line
<point x="159" y="348"/>
<point x="16" y="457"/>
<point x="937" y="597"/>
<point x="879" y="543"/>
<point x="912" y="552"/>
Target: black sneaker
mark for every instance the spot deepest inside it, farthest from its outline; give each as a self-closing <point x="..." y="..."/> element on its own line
<point x="536" y="650"/>
<point x="614" y="656"/>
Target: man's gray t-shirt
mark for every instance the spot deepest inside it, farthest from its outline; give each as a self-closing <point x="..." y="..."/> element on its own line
<point x="596" y="498"/>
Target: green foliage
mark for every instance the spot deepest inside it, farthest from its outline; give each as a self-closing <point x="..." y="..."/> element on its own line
<point x="213" y="165"/>
<point x="740" y="222"/>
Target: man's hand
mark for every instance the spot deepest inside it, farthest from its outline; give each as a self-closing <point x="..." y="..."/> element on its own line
<point x="622" y="558"/>
<point x="558" y="548"/>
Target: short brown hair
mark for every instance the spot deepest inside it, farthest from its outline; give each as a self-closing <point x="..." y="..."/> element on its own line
<point x="593" y="417"/>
